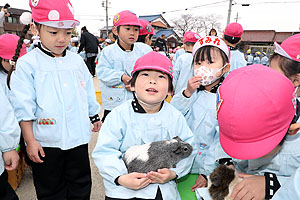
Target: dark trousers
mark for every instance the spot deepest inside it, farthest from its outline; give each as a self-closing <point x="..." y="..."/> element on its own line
<point x="90" y="62"/>
<point x="106" y="112"/>
<point x="6" y="191"/>
<point x="158" y="197"/>
<point x="64" y="174"/>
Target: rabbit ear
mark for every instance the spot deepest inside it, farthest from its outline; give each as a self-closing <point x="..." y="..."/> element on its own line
<point x="177" y="138"/>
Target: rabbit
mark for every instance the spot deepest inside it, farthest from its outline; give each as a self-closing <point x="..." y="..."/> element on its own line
<point x="156" y="155"/>
<point x="222" y="181"/>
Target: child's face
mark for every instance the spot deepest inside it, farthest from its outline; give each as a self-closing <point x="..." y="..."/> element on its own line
<point x="151" y="86"/>
<point x="128" y="35"/>
<point x="5" y="64"/>
<point x="55" y="39"/>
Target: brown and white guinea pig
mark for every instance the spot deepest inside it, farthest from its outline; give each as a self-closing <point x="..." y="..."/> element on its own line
<point x="222" y="181"/>
<point x="156" y="155"/>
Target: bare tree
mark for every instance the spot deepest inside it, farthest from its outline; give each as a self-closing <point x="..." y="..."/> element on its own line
<point x="183" y="24"/>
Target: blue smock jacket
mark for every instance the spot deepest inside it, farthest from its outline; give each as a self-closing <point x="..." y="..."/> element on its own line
<point x="57" y="94"/>
<point x="113" y="63"/>
<point x="124" y="128"/>
<point x="182" y="72"/>
<point x="178" y="53"/>
<point x="3" y="83"/>
<point x="237" y="60"/>
<point x="256" y="60"/>
<point x="265" y="61"/>
<point x="200" y="113"/>
<point x="250" y="59"/>
<point x="9" y="128"/>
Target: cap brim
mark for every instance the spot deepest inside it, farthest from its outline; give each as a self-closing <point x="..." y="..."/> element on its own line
<point x="61" y="24"/>
<point x="248" y="151"/>
<point x="159" y="68"/>
<point x="281" y="51"/>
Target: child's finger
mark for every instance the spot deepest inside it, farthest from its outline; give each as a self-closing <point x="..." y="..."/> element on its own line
<point x="237" y="189"/>
<point x="139" y="175"/>
<point x="41" y="150"/>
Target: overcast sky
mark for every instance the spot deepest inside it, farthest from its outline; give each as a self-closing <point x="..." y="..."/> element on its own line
<point x="260" y="15"/>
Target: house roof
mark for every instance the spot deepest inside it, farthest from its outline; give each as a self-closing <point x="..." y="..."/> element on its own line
<point x="269" y="36"/>
<point x="104" y="28"/>
<point x="16" y="11"/>
<point x="150" y="18"/>
<point x="167" y="33"/>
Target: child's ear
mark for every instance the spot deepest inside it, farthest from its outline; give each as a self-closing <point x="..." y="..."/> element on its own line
<point x="132" y="88"/>
<point x="115" y="31"/>
<point x="296" y="80"/>
<point x="34" y="29"/>
<point x="227" y="68"/>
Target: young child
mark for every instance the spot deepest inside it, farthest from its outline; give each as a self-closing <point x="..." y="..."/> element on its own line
<point x="198" y="104"/>
<point x="117" y="61"/>
<point x="9" y="140"/>
<point x="146" y="32"/>
<point x="183" y="69"/>
<point x="254" y="127"/>
<point x="53" y="97"/>
<point x="232" y="37"/>
<point x="146" y="118"/>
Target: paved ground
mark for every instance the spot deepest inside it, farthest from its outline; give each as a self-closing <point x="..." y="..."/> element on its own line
<point x="26" y="189"/>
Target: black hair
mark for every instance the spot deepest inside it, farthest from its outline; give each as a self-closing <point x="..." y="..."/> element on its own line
<point x="135" y="75"/>
<point x="2" y="69"/>
<point x="205" y="52"/>
<point x="288" y="66"/>
<point x="6" y="6"/>
<point x="211" y="31"/>
<point x="17" y="52"/>
<point x="142" y="38"/>
<point x="232" y="40"/>
<point x="84" y="28"/>
<point x="190" y="44"/>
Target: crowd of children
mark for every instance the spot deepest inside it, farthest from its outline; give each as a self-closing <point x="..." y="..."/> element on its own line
<point x="230" y="113"/>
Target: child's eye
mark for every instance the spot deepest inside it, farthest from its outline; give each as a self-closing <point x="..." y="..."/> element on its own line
<point x="128" y="29"/>
<point x="53" y="32"/>
<point x="161" y="76"/>
<point x="69" y="32"/>
<point x="136" y="29"/>
<point x="144" y="74"/>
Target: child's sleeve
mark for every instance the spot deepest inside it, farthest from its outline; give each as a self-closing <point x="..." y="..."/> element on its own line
<point x="176" y="71"/>
<point x="182" y="103"/>
<point x="184" y="132"/>
<point x="9" y="129"/>
<point x="106" y="71"/>
<point x="23" y="92"/>
<point x="107" y="155"/>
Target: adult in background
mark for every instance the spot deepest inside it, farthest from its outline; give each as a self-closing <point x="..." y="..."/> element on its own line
<point x="90" y="43"/>
<point x="3" y="13"/>
<point x="161" y="43"/>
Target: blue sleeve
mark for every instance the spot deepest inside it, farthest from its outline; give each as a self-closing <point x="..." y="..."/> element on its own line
<point x="176" y="71"/>
<point x="106" y="71"/>
<point x="107" y="155"/>
<point x="23" y="92"/>
<point x="183" y="104"/>
<point x="9" y="129"/>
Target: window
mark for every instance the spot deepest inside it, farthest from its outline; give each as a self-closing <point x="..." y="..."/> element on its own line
<point x="12" y="20"/>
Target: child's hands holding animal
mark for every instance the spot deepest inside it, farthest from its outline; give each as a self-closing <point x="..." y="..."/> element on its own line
<point x="200" y="182"/>
<point x="134" y="181"/>
<point x="251" y="187"/>
<point x="11" y="159"/>
<point x="193" y="84"/>
<point x="161" y="176"/>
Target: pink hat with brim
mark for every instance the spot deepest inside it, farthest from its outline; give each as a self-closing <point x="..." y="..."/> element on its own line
<point x="255" y="106"/>
<point x="8" y="46"/>
<point x="212" y="41"/>
<point x="154" y="60"/>
<point x="53" y="13"/>
<point x="146" y="28"/>
<point x="191" y="36"/>
<point x="290" y="48"/>
<point x="234" y="30"/>
<point x="126" y="18"/>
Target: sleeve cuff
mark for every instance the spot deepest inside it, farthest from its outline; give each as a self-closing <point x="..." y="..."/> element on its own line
<point x="272" y="184"/>
<point x="225" y="161"/>
<point x="117" y="181"/>
<point x="94" y="119"/>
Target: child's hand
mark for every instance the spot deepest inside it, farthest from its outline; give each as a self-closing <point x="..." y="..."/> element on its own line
<point x="193" y="84"/>
<point x="97" y="126"/>
<point x="252" y="187"/>
<point x="33" y="149"/>
<point x="294" y="128"/>
<point x="11" y="159"/>
<point x="161" y="176"/>
<point x="134" y="180"/>
<point x="200" y="182"/>
<point x="126" y="80"/>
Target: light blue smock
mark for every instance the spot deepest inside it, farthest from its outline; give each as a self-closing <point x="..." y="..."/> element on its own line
<point x="178" y="53"/>
<point x="256" y="60"/>
<point x="265" y="61"/>
<point x="182" y="72"/>
<point x="113" y="63"/>
<point x="9" y="128"/>
<point x="291" y="189"/>
<point x="237" y="60"/>
<point x="249" y="59"/>
<point x="124" y="128"/>
<point x="200" y="113"/>
<point x="74" y="49"/>
<point x="58" y="91"/>
<point x="3" y="83"/>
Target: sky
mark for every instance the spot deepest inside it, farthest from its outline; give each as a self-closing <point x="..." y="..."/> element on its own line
<point x="279" y="15"/>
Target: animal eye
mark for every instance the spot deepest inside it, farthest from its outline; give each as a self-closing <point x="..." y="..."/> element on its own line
<point x="185" y="149"/>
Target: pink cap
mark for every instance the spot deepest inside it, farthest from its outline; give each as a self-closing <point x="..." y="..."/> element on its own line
<point x="212" y="41"/>
<point x="191" y="36"/>
<point x="154" y="60"/>
<point x="290" y="48"/>
<point x="146" y="28"/>
<point x="54" y="13"/>
<point x="8" y="46"/>
<point x="234" y="30"/>
<point x="126" y="18"/>
<point x="255" y="106"/>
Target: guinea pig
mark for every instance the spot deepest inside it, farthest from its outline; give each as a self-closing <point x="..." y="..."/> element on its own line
<point x="221" y="182"/>
<point x="156" y="155"/>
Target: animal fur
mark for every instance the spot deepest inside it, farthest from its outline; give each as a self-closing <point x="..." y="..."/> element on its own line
<point x="156" y="155"/>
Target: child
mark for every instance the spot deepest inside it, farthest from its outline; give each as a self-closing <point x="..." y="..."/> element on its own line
<point x="53" y="97"/>
<point x="197" y="103"/>
<point x="117" y="61"/>
<point x="146" y="32"/>
<point x="183" y="67"/>
<point x="254" y="127"/>
<point x="146" y="118"/>
<point x="9" y="140"/>
<point x="232" y="37"/>
<point x="74" y="44"/>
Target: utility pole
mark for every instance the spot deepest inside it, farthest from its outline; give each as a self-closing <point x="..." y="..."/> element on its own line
<point x="229" y="12"/>
<point x="106" y="10"/>
<point x="237" y="17"/>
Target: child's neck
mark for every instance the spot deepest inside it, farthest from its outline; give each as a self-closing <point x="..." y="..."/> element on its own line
<point x="189" y="48"/>
<point x="150" y="108"/>
<point x="125" y="46"/>
<point x="209" y="87"/>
